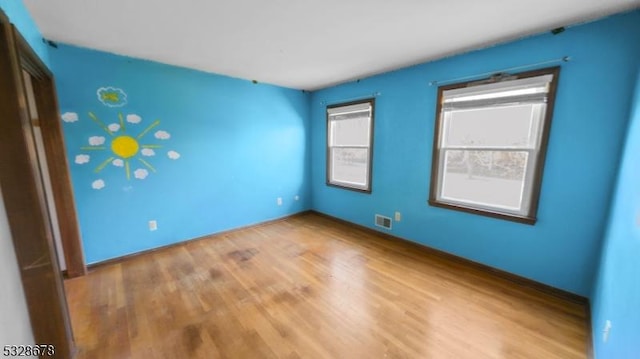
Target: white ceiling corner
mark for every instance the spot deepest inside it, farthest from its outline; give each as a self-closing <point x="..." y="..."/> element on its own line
<point x="303" y="44"/>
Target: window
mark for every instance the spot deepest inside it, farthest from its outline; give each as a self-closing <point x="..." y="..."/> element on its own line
<point x="349" y="145"/>
<point x="489" y="145"/>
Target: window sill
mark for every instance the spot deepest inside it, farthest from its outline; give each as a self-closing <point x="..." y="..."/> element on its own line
<point x="486" y="213"/>
<point x="355" y="189"/>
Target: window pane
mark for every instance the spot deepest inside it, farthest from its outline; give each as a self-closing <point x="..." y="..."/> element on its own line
<point x="489" y="178"/>
<point x="350" y="132"/>
<point x="499" y="126"/>
<point x="350" y="165"/>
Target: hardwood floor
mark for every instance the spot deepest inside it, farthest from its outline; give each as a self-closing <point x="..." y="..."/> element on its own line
<point x="312" y="287"/>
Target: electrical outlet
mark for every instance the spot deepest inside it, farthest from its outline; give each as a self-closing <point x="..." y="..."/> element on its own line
<point x="279" y="201"/>
<point x="606" y="331"/>
<point x="153" y="225"/>
<point x="397" y="216"/>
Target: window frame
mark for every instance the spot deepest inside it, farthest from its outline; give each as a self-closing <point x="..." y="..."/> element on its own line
<point x="535" y="181"/>
<point x="345" y="185"/>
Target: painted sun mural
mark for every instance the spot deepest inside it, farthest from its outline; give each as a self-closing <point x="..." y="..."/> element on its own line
<point x="127" y="143"/>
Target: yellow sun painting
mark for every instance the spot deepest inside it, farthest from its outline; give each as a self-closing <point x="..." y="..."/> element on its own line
<point x="124" y="147"/>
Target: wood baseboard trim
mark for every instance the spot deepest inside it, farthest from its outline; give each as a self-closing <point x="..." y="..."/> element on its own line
<point x="590" y="353"/>
<point x="127" y="257"/>
<point x="516" y="279"/>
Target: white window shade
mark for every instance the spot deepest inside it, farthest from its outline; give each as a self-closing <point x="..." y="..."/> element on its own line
<point x="364" y="108"/>
<point x="528" y="90"/>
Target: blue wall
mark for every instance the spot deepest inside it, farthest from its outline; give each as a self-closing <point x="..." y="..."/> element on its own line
<point x="241" y="146"/>
<point x="588" y="127"/>
<point x="616" y="296"/>
<point x="20" y="17"/>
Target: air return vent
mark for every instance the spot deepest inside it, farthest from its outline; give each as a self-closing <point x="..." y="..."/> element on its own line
<point x="382" y="221"/>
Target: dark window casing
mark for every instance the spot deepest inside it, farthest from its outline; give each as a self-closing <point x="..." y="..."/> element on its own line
<point x="331" y="179"/>
<point x="530" y="212"/>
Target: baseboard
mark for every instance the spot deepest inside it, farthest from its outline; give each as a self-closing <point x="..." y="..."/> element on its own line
<point x="127" y="257"/>
<point x="522" y="281"/>
<point x="590" y="353"/>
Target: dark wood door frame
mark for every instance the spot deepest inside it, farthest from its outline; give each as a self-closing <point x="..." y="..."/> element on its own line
<point x="22" y="187"/>
<point x="55" y="149"/>
<point x="53" y="139"/>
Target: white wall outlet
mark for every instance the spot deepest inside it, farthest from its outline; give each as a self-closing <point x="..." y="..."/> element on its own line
<point x="297" y="198"/>
<point x="606" y="331"/>
<point x="279" y="201"/>
<point x="397" y="216"/>
<point x="153" y="225"/>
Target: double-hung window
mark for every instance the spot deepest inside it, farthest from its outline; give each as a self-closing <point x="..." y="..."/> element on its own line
<point x="349" y="145"/>
<point x="490" y="143"/>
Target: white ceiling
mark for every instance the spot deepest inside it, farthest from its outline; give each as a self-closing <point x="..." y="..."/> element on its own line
<point x="303" y="44"/>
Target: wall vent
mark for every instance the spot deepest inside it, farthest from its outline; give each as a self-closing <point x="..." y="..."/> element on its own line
<point x="382" y="221"/>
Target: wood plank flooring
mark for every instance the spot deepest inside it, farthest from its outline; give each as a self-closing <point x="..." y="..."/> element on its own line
<point x="312" y="287"/>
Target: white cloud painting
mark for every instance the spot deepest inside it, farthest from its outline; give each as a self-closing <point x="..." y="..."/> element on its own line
<point x="140" y="173"/>
<point x="82" y="159"/>
<point x="173" y="155"/>
<point x="98" y="184"/>
<point x="148" y="152"/>
<point x="162" y="135"/>
<point x="133" y="118"/>
<point x="96" y="140"/>
<point x="69" y="117"/>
